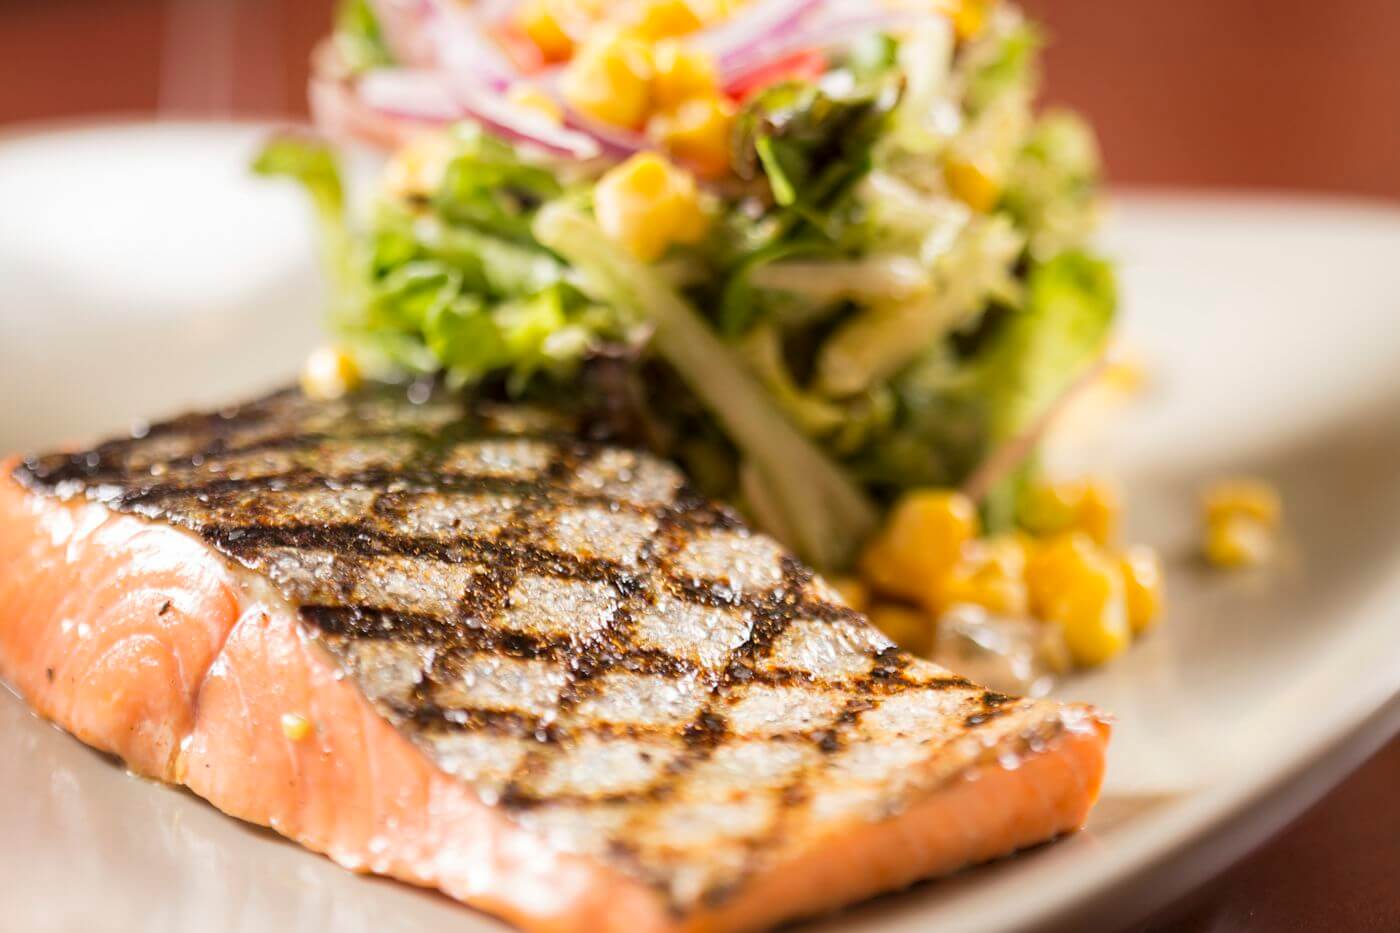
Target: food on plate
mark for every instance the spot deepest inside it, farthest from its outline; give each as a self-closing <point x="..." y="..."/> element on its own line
<point x="824" y="255"/>
<point x="1241" y="519"/>
<point x="458" y="642"/>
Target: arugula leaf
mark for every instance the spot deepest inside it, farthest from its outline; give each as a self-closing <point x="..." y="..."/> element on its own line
<point x="812" y="141"/>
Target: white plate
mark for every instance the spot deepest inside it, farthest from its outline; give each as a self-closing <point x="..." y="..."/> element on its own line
<point x="142" y="271"/>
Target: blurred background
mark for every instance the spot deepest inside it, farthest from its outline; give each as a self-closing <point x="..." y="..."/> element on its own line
<point x="1260" y="94"/>
<point x="1222" y="93"/>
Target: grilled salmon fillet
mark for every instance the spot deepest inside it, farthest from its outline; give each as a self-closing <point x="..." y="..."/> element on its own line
<point x="461" y="647"/>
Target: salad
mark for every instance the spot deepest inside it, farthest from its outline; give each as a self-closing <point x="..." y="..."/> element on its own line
<point x="826" y="255"/>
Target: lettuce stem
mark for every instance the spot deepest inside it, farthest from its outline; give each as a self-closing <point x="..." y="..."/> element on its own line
<point x="827" y="515"/>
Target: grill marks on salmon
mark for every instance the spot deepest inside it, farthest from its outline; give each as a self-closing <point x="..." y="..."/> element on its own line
<point x="619" y="669"/>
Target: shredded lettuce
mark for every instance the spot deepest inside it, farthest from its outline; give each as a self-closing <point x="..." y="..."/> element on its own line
<point x="457" y="285"/>
<point x="1052" y="191"/>
<point x="856" y="324"/>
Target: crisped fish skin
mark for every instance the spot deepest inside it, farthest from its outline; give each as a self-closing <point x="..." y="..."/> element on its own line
<point x="542" y="675"/>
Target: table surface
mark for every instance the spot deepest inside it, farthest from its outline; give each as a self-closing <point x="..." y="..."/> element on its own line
<point x="1335" y="868"/>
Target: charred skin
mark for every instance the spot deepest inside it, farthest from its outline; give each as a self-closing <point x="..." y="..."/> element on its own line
<point x="566" y="627"/>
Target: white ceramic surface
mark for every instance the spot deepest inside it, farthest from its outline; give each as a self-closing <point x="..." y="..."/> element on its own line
<point x="140" y="271"/>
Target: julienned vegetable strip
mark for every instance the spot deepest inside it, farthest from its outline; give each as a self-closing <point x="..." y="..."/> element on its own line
<point x="827" y="513"/>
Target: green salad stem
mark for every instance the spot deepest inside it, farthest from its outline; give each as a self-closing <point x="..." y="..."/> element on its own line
<point x="825" y="510"/>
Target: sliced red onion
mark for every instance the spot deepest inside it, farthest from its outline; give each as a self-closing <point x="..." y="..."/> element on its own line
<point x="736" y="38"/>
<point x="342" y="115"/>
<point x="409" y="93"/>
<point x="434" y="98"/>
<point x="464" y="50"/>
<point x="614" y="142"/>
<point x="405" y="27"/>
<point x="818" y="32"/>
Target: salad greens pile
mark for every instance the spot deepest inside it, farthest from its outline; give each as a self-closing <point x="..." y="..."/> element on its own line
<point x="896" y="285"/>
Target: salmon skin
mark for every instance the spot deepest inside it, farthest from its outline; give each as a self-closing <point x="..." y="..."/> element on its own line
<point x="464" y="648"/>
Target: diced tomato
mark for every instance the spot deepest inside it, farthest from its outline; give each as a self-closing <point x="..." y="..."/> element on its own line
<point x="519" y="48"/>
<point x="805" y="65"/>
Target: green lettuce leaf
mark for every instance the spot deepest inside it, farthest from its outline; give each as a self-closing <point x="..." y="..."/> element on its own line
<point x="1038" y="353"/>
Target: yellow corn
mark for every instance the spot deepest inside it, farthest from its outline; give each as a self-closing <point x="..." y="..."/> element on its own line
<point x="681" y="73"/>
<point x="1076" y="586"/>
<point x="417" y="167"/>
<point x="1242" y="498"/>
<point x="1050" y="508"/>
<point x="542" y="23"/>
<point x="532" y="98"/>
<point x="647" y="204"/>
<point x="712" y="11"/>
<point x="1126" y="373"/>
<point x="991" y="574"/>
<point x="1144" y="587"/>
<point x="697" y="132"/>
<point x="295" y="726"/>
<point x="610" y="79"/>
<point x="662" y="19"/>
<point x="329" y="373"/>
<point x="911" y="629"/>
<point x="969" y="17"/>
<point x="853" y="591"/>
<point x="1098" y="511"/>
<point x="1238" y="541"/>
<point x="922" y="539"/>
<point x="972" y="184"/>
<point x="1090" y="506"/>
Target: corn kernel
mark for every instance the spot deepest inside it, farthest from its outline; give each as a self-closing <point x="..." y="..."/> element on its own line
<point x="1244" y="498"/>
<point x="697" y="132"/>
<point x="713" y="11"/>
<point x="1077" y="587"/>
<point x="329" y="373"/>
<point x="853" y="591"/>
<point x="909" y="628"/>
<point x="1238" y="541"/>
<point x="610" y="79"/>
<point x="662" y="19"/>
<point x="417" y="167"/>
<point x="680" y="74"/>
<point x="529" y="97"/>
<point x="1144" y="587"/>
<point x="542" y="24"/>
<point x="991" y="574"/>
<point x="969" y="17"/>
<point x="1090" y="506"/>
<point x="1053" y="561"/>
<point x="295" y="726"/>
<point x="1050" y="508"/>
<point x="1098" y="512"/>
<point x="1126" y="374"/>
<point x="647" y="204"/>
<point x="922" y="539"/>
<point x="972" y="184"/>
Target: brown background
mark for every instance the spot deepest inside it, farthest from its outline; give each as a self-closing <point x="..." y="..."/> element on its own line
<point x="1260" y="93"/>
<point x="1239" y="93"/>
